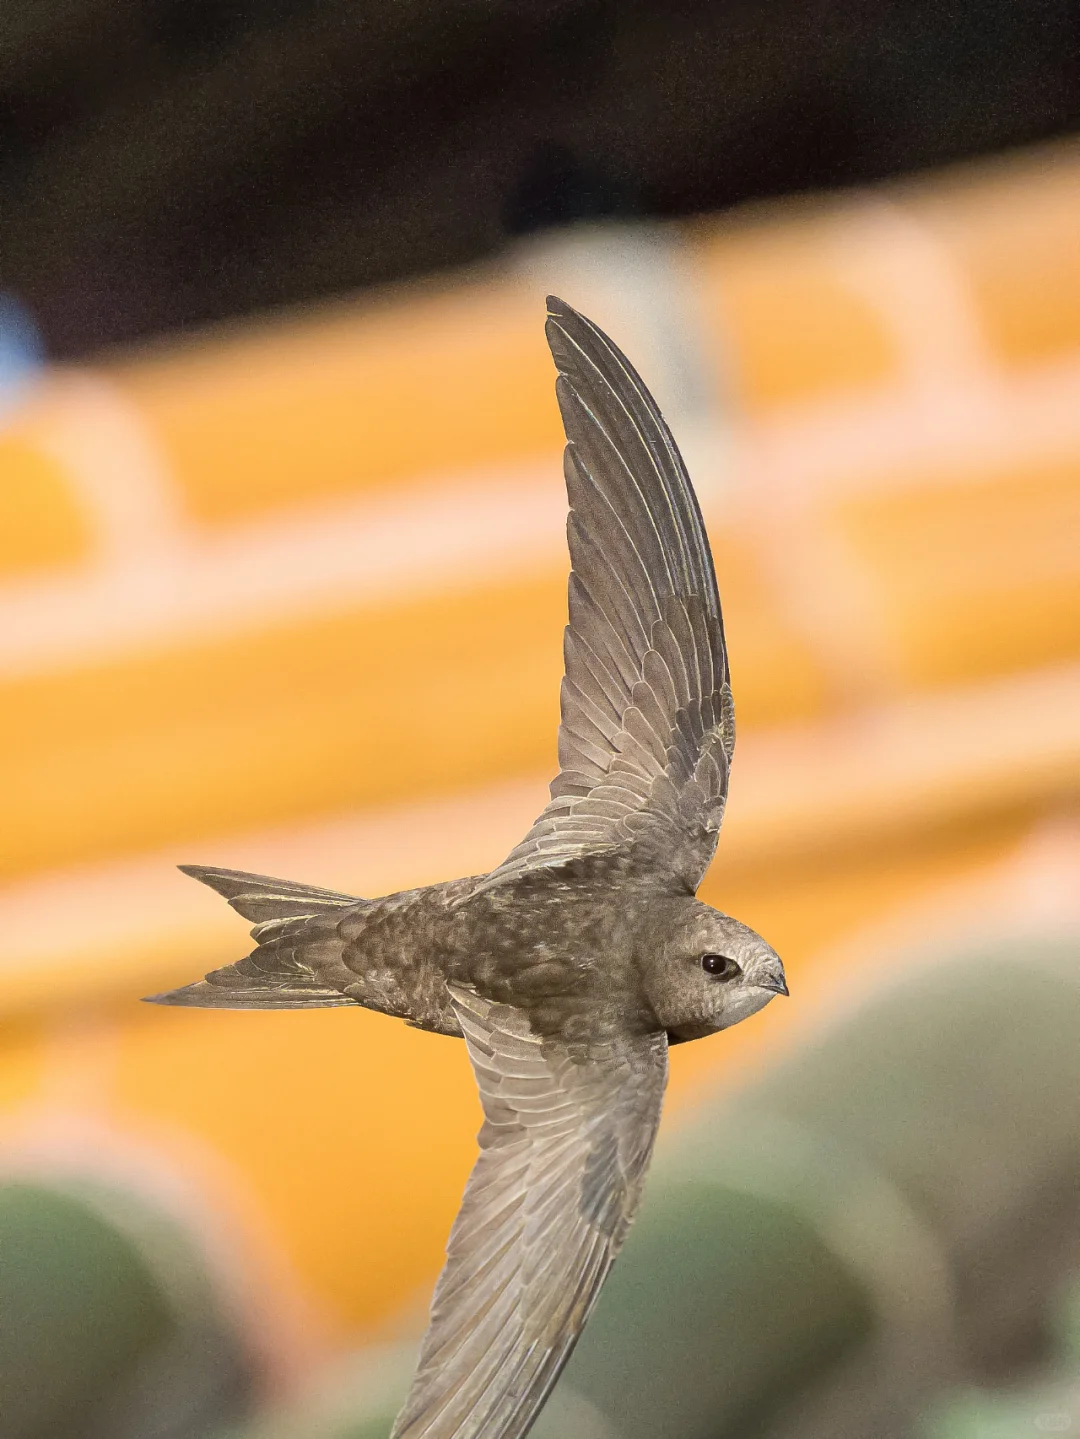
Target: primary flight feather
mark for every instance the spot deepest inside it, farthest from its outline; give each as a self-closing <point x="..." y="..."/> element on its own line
<point x="569" y="968"/>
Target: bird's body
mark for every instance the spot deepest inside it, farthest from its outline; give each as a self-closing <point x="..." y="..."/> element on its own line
<point x="572" y="966"/>
<point x="570" y="947"/>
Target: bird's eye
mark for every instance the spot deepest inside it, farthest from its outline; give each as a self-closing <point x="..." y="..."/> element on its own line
<point x="719" y="966"/>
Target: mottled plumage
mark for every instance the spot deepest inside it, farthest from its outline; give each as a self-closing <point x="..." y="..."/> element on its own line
<point x="571" y="966"/>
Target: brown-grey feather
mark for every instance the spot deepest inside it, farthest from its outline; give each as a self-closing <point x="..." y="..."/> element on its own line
<point x="566" y="1141"/>
<point x="647" y="729"/>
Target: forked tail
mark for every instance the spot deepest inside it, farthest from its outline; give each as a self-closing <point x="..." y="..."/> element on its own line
<point x="298" y="957"/>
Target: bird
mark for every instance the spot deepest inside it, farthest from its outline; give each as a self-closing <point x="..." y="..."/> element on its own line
<point x="572" y="967"/>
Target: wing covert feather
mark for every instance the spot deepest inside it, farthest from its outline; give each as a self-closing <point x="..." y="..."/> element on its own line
<point x="564" y="1147"/>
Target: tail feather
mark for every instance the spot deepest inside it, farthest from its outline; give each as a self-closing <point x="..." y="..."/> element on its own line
<point x="298" y="963"/>
<point x="259" y="897"/>
<point x="204" y="994"/>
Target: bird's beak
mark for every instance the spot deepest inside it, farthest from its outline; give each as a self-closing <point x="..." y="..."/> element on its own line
<point x="771" y="976"/>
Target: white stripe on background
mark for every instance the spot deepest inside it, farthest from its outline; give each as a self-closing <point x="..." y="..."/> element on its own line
<point x="886" y="771"/>
<point x="159" y="581"/>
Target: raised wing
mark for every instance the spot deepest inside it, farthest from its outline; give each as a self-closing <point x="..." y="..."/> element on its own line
<point x="563" y="1153"/>
<point x="648" y="725"/>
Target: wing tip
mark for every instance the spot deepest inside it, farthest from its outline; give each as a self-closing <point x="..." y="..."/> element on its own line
<point x="561" y="316"/>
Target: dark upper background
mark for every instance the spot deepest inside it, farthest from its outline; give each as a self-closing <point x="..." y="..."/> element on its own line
<point x="164" y="163"/>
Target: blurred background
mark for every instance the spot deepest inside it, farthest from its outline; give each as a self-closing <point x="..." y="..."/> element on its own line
<point x="282" y="584"/>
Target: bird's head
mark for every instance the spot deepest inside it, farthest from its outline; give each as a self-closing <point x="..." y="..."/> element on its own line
<point x="708" y="972"/>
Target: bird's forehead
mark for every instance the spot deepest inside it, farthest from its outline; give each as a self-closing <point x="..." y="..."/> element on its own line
<point x="714" y="927"/>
